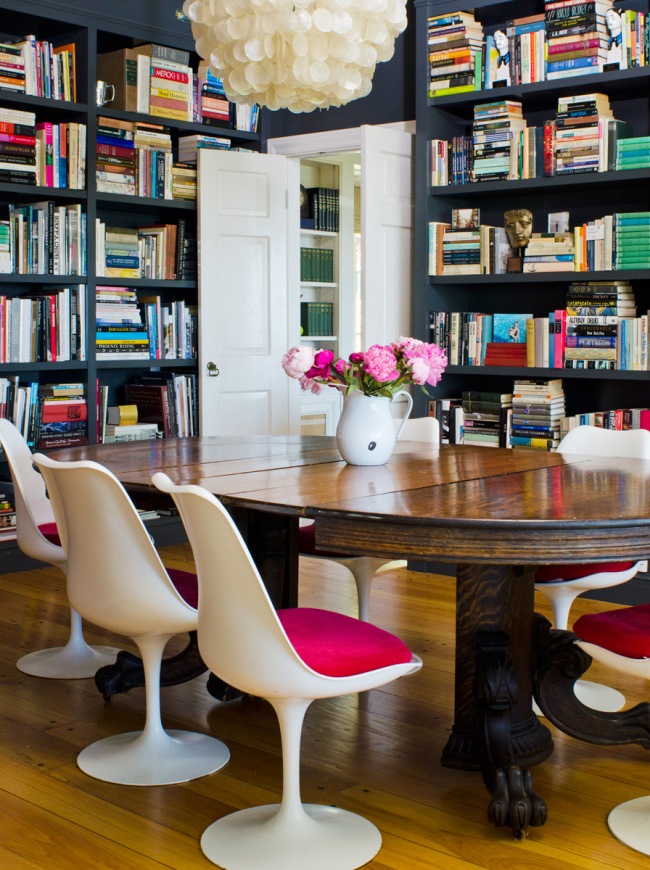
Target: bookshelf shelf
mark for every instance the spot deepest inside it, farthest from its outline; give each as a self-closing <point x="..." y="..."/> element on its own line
<point x="585" y="196"/>
<point x="94" y="31"/>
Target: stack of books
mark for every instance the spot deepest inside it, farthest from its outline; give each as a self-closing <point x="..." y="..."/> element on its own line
<point x="487" y="418"/>
<point x="549" y="252"/>
<point x="121" y="253"/>
<point x="317" y="265"/>
<point x="115" y="434"/>
<point x="461" y="251"/>
<point x="508" y="345"/>
<point x="157" y="247"/>
<point x="120" y="331"/>
<point x="632" y="240"/>
<point x="171" y="84"/>
<point x="455" y="53"/>
<point x="153" y="155"/>
<point x="184" y="178"/>
<point x="214" y="107"/>
<point x="17" y="146"/>
<point x="62" y="416"/>
<point x="12" y="68"/>
<point x="7" y="517"/>
<point x="188" y="146"/>
<point x="633" y="153"/>
<point x="495" y="140"/>
<point x="581" y="134"/>
<point x="615" y="418"/>
<point x="537" y="412"/>
<point x="596" y="324"/>
<point x="49" y="70"/>
<point x="576" y="37"/>
<point x="115" y="156"/>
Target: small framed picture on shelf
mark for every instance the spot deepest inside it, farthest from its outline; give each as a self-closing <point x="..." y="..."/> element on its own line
<point x="558" y="222"/>
<point x="465" y="218"/>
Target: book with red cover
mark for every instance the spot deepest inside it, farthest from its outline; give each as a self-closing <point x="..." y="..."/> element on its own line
<point x="152" y="401"/>
<point x="66" y="409"/>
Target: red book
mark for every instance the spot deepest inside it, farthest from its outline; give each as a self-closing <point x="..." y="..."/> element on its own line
<point x="61" y="411"/>
<point x="548" y="145"/>
<point x="18" y="138"/>
<point x="169" y="74"/>
<point x="645" y="419"/>
<point x="114" y="150"/>
<point x="46" y="137"/>
<point x="559" y="338"/>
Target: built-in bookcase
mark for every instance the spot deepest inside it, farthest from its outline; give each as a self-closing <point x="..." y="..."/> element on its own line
<point x="91" y="34"/>
<point x="585" y="196"/>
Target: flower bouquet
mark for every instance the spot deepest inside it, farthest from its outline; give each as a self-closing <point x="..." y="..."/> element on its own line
<point x="383" y="370"/>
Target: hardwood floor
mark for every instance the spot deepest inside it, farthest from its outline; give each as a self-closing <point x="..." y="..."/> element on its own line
<point x="377" y="754"/>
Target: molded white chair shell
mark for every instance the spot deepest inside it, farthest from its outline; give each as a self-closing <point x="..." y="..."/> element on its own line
<point x="242" y="639"/>
<point x="594" y="441"/>
<point x="629" y="821"/>
<point x="117" y="580"/>
<point x="365" y="568"/>
<point x="75" y="660"/>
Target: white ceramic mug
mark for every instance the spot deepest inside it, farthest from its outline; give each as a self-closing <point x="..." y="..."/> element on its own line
<point x="105" y="93"/>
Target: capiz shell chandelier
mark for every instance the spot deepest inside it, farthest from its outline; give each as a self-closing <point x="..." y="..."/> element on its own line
<point x="295" y="54"/>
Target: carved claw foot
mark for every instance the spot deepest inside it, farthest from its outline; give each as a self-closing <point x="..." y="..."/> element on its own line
<point x="127" y="672"/>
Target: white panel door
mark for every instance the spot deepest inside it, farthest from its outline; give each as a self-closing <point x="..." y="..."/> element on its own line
<point x="386" y="234"/>
<point x="243" y="332"/>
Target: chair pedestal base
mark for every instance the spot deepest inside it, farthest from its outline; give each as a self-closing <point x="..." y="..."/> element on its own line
<point x="327" y="837"/>
<point x="164" y="758"/>
<point x="70" y="662"/>
<point x="595" y="696"/>
<point x="630" y="824"/>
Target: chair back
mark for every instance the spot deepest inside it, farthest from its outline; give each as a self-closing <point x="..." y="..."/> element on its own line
<point x="240" y="636"/>
<point x="420" y="429"/>
<point x="33" y="507"/>
<point x="115" y="577"/>
<point x="594" y="441"/>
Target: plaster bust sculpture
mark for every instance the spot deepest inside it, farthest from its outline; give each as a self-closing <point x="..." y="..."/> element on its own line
<point x="519" y="227"/>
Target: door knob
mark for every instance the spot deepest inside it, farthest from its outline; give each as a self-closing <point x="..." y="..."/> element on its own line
<point x="213" y="371"/>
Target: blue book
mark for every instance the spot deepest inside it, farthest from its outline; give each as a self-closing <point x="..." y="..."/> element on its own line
<point x="573" y="63"/>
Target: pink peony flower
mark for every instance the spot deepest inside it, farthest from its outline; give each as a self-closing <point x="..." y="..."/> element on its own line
<point x="321" y="366"/>
<point x="426" y="362"/>
<point x="381" y="364"/>
<point x="297" y="361"/>
<point x="308" y="385"/>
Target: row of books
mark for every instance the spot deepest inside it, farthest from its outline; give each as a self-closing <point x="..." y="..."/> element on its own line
<point x="317" y="318"/>
<point x="145" y="327"/>
<point x="168" y="399"/>
<point x="43" y="238"/>
<point x="633" y="153"/>
<point x="44" y="327"/>
<point x="323" y="210"/>
<point x="467" y="251"/>
<point x="317" y="264"/>
<point x="613" y="418"/>
<point x="612" y="243"/>
<point x="48" y="415"/>
<point x="39" y="68"/>
<point x="567" y="39"/>
<point x="529" y="416"/>
<point x="583" y="137"/>
<point x="557" y="340"/>
<point x="137" y="252"/>
<point x="7" y="512"/>
<point x="158" y="80"/>
<point x="135" y="158"/>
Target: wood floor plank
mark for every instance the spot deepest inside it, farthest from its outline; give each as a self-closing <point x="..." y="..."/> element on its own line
<point x="377" y="753"/>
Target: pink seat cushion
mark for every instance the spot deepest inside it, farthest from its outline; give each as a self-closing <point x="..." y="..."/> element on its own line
<point x="550" y="573"/>
<point x="186" y="585"/>
<point x="336" y="645"/>
<point x="50" y="533"/>
<point x="625" y="631"/>
<point x="307" y="543"/>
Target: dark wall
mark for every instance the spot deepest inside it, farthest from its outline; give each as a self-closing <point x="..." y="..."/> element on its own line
<point x="392" y="97"/>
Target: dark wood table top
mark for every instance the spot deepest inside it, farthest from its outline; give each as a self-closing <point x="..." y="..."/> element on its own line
<point x="456" y="503"/>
